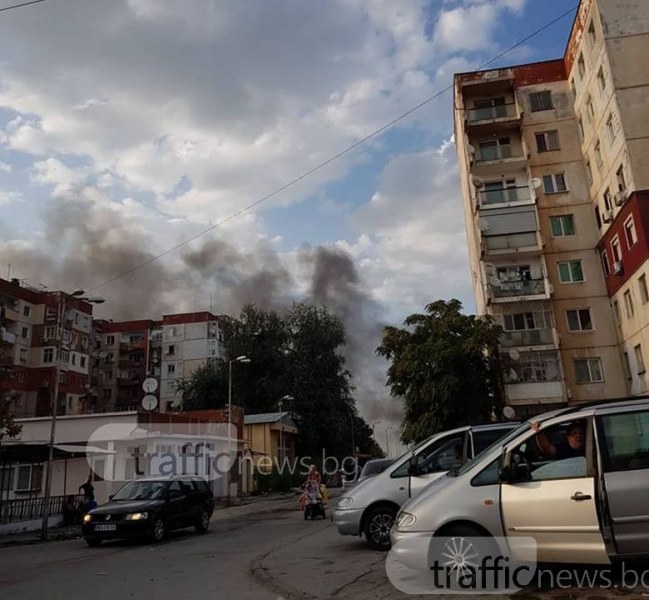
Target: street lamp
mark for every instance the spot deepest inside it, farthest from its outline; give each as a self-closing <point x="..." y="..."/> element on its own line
<point x="239" y="359"/>
<point x="54" y="400"/>
<point x="281" y="425"/>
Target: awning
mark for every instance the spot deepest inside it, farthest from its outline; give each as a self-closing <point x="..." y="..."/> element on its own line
<point x="72" y="449"/>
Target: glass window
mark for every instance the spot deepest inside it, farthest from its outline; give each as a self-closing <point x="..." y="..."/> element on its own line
<point x="629" y="229"/>
<point x="442" y="458"/>
<point x="616" y="312"/>
<point x="589" y="370"/>
<point x="570" y="272"/>
<point x="639" y="359"/>
<point x="579" y="320"/>
<point x="490" y="475"/>
<point x="598" y="155"/>
<point x="627" y="366"/>
<point x="605" y="265"/>
<point x="581" y="66"/>
<point x="563" y="225"/>
<point x="644" y="293"/>
<point x="628" y="304"/>
<point x="541" y="101"/>
<point x="626" y="441"/>
<point x="547" y="141"/>
<point x="555" y="183"/>
<point x="27" y="311"/>
<point x="484" y="439"/>
<point x="601" y="80"/>
<point x="589" y="173"/>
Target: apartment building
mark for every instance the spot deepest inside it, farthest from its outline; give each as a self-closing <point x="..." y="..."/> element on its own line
<point x="549" y="155"/>
<point x="30" y="328"/>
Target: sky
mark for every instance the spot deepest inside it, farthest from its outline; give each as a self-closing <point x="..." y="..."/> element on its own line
<point x="128" y="127"/>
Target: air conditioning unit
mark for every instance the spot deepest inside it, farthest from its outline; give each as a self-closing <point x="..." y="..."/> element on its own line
<point x="550" y="289"/>
<point x="620" y="198"/>
<point x="617" y="267"/>
<point x="607" y="216"/>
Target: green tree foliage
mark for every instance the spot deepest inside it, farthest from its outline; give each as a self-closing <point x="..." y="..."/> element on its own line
<point x="445" y="366"/>
<point x="297" y="355"/>
<point x="8" y="426"/>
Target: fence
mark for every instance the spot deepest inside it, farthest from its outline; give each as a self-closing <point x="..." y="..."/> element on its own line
<point x="30" y="509"/>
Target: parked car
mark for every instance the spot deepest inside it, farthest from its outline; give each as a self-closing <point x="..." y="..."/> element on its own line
<point x="583" y="503"/>
<point x="150" y="507"/>
<point x="370" y="469"/>
<point x="371" y="506"/>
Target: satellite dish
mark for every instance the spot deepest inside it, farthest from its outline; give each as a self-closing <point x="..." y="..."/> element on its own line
<point x="514" y="354"/>
<point x="150" y="385"/>
<point x="471" y="149"/>
<point x="483" y="224"/>
<point x="509" y="413"/>
<point x="477" y="182"/>
<point x="149" y="402"/>
<point x="536" y="183"/>
<point x="513" y="375"/>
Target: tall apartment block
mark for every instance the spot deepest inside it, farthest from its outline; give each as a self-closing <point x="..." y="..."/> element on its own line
<point x="554" y="168"/>
<point x="30" y="329"/>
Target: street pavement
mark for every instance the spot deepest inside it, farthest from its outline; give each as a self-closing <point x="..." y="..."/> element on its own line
<point x="259" y="551"/>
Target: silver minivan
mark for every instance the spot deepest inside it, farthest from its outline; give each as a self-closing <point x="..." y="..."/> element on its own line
<point x="371" y="507"/>
<point x="576" y="480"/>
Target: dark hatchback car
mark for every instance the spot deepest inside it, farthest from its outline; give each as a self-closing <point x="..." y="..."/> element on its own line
<point x="148" y="508"/>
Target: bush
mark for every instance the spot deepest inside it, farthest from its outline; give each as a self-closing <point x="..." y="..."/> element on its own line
<point x="274" y="481"/>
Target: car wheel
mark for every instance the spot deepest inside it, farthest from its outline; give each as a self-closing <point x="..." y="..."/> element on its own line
<point x="463" y="547"/>
<point x="203" y="522"/>
<point x="158" y="530"/>
<point x="377" y="527"/>
<point x="93" y="543"/>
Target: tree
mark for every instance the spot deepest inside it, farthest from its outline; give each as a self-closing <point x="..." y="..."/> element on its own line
<point x="445" y="366"/>
<point x="202" y="390"/>
<point x="8" y="426"/>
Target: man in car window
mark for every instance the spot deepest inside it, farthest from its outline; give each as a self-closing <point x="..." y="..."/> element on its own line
<point x="572" y="446"/>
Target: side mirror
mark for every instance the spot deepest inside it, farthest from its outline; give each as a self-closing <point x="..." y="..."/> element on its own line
<point x="413" y="467"/>
<point x="505" y="475"/>
<point x="111" y="496"/>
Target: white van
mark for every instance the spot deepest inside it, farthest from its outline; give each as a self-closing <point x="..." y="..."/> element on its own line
<point x="371" y="507"/>
<point x="582" y="502"/>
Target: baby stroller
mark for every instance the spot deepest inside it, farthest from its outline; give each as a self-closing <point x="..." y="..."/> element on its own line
<point x="312" y="502"/>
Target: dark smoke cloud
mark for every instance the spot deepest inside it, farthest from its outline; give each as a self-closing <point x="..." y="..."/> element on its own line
<point x="85" y="243"/>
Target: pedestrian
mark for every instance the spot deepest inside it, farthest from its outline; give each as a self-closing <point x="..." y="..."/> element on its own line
<point x="88" y="491"/>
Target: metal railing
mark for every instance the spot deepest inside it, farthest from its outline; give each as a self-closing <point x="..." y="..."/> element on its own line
<point x="487" y="113"/>
<point x="488" y="153"/>
<point x="527" y="337"/>
<point x="519" y="287"/>
<point x="513" y="241"/>
<point x="506" y="194"/>
<point x="31" y="509"/>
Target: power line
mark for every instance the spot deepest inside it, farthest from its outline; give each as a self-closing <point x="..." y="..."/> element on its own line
<point x="21" y="5"/>
<point x="333" y="158"/>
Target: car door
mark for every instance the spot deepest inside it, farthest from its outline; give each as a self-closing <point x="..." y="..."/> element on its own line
<point x="437" y="459"/>
<point x="176" y="505"/>
<point x="553" y="499"/>
<point x="623" y="440"/>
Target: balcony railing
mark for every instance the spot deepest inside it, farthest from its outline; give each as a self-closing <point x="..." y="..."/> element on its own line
<point x="489" y="113"/>
<point x="489" y="153"/>
<point x="521" y="287"/>
<point x="514" y="241"/>
<point x="527" y="337"/>
<point x="505" y="195"/>
<point x="31" y="509"/>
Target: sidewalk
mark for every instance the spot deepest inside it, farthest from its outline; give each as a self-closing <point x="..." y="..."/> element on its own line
<point x="240" y="507"/>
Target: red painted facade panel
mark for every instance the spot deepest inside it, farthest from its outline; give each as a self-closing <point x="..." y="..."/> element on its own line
<point x="538" y="73"/>
<point x="633" y="258"/>
<point x="198" y="317"/>
<point x="140" y="326"/>
<point x="577" y="33"/>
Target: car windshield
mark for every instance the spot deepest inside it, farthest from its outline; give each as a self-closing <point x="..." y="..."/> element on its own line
<point x="499" y="442"/>
<point x="374" y="467"/>
<point x="141" y="490"/>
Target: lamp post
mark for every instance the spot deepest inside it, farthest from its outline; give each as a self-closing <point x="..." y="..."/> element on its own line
<point x="240" y="359"/>
<point x="54" y="400"/>
<point x="280" y="402"/>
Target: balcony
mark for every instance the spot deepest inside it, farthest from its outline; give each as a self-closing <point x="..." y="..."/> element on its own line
<point x="6" y="360"/>
<point x="489" y="159"/>
<point x="528" y="337"/>
<point x="514" y="244"/>
<point x="487" y="115"/>
<point x="7" y="337"/>
<point x="539" y="392"/>
<point x="9" y="314"/>
<point x="529" y="289"/>
<point x="506" y="195"/>
<point x="128" y="381"/>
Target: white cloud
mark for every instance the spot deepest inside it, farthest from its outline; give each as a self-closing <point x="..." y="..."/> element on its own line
<point x="5" y="168"/>
<point x="7" y="198"/>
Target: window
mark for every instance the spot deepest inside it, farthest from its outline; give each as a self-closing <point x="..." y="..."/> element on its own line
<point x="598" y="154"/>
<point x="65" y="356"/>
<point x="626" y="441"/>
<point x="629" y="230"/>
<point x="489" y="108"/>
<point x="590" y="110"/>
<point x="605" y="265"/>
<point x="29" y="478"/>
<point x="639" y="360"/>
<point x="616" y="312"/>
<point x="628" y="304"/>
<point x="63" y="377"/>
<point x="23" y="355"/>
<point x="110" y="340"/>
<point x="499" y="192"/>
<point x="562" y="226"/>
<point x="172" y="350"/>
<point x="48" y="355"/>
<point x="570" y="272"/>
<point x="555" y="183"/>
<point x="27" y="311"/>
<point x="573" y="88"/>
<point x="608" y="200"/>
<point x="589" y="173"/>
<point x="581" y="66"/>
<point x="580" y="129"/>
<point x="601" y="81"/>
<point x="110" y="357"/>
<point x="621" y="180"/>
<point x="497" y="149"/>
<point x="547" y="141"/>
<point x="579" y="320"/>
<point x="627" y="366"/>
<point x="589" y="370"/>
<point x="24" y="332"/>
<point x="615" y="248"/>
<point x="82" y="362"/>
<point x="592" y="36"/>
<point x="50" y="333"/>
<point x="611" y="129"/>
<point x="644" y="293"/>
<point x="74" y="359"/>
<point x="171" y="369"/>
<point x="541" y="101"/>
<point x="108" y="393"/>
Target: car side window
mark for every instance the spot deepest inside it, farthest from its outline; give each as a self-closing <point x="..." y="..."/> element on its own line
<point x="186" y="487"/>
<point x="426" y="456"/>
<point x="490" y="475"/>
<point x="626" y="441"/>
<point x="174" y="487"/>
<point x="484" y="439"/>
<point x="444" y="457"/>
